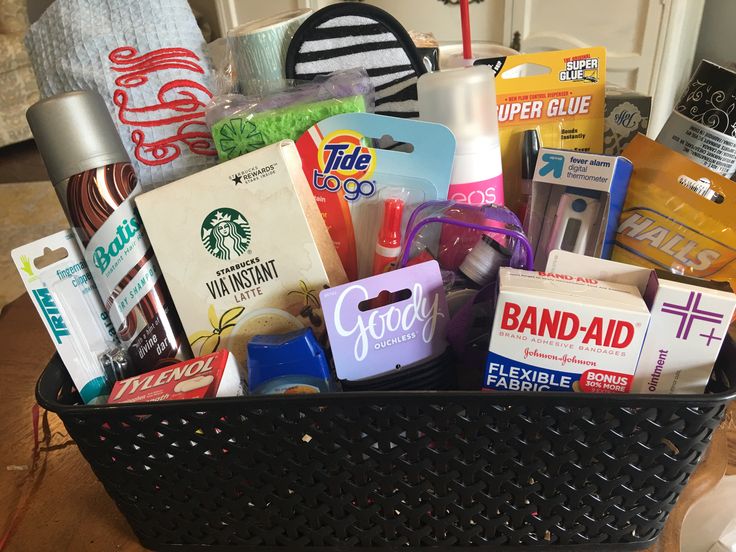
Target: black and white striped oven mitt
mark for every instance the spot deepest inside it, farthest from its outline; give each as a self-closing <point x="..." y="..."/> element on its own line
<point x="351" y="35"/>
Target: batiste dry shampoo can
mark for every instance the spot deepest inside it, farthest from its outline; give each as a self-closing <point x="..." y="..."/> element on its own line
<point x="96" y="184"/>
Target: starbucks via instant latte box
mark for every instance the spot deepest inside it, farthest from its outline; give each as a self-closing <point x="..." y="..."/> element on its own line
<point x="243" y="248"/>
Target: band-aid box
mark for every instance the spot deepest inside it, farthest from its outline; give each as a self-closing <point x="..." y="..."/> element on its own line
<point x="555" y="332"/>
<point x="214" y="375"/>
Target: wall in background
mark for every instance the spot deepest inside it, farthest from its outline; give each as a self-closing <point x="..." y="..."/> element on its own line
<point x="717" y="41"/>
<point x="207" y="9"/>
<point x="36" y="8"/>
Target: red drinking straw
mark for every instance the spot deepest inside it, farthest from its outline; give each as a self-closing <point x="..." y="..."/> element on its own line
<point x="465" y="23"/>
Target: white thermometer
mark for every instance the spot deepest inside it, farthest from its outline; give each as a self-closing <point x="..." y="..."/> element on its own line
<point x="576" y="215"/>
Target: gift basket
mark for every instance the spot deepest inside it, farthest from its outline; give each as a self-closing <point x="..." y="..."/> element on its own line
<point x="406" y="309"/>
<point x="382" y="470"/>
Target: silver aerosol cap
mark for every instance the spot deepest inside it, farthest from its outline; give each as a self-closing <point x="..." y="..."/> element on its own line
<point x="74" y="133"/>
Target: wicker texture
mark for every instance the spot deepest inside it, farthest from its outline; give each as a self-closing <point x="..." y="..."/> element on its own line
<point x="395" y="470"/>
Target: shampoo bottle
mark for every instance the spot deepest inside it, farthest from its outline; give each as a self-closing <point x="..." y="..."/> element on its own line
<point x="91" y="172"/>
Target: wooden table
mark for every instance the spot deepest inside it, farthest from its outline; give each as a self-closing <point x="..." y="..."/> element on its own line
<point x="52" y="501"/>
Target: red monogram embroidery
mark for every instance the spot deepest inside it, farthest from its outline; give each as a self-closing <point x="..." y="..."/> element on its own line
<point x="166" y="150"/>
<point x="180" y="101"/>
<point x="183" y="101"/>
<point x="136" y="68"/>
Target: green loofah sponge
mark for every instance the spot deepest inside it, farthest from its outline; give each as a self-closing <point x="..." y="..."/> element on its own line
<point x="238" y="135"/>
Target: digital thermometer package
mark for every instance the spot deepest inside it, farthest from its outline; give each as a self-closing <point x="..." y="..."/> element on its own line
<point x="359" y="165"/>
<point x="576" y="202"/>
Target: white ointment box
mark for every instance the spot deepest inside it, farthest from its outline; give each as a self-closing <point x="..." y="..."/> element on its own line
<point x="213" y="375"/>
<point x="555" y="332"/>
<point x="690" y="319"/>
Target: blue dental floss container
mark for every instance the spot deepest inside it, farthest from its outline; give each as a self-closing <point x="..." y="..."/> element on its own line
<point x="287" y="364"/>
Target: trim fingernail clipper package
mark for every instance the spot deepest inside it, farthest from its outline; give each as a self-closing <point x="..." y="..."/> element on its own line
<point x="556" y="332"/>
<point x="60" y="285"/>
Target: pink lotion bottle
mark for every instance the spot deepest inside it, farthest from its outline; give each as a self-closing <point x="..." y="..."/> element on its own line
<point x="464" y="100"/>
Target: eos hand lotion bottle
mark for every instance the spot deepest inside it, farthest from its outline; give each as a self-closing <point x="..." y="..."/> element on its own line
<point x="464" y="100"/>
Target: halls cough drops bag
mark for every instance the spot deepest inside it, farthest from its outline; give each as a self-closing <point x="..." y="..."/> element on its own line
<point x="678" y="215"/>
<point x="560" y="94"/>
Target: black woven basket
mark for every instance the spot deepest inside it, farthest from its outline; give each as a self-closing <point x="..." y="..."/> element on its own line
<point x="391" y="470"/>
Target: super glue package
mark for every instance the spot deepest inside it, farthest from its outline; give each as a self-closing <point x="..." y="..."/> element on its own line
<point x="368" y="172"/>
<point x="559" y="94"/>
<point x="61" y="287"/>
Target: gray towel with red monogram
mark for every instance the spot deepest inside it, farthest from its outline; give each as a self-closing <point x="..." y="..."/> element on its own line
<point x="147" y="58"/>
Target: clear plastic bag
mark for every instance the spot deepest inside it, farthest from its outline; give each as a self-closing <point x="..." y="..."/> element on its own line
<point x="241" y="124"/>
<point x="449" y="231"/>
<point x="470" y="242"/>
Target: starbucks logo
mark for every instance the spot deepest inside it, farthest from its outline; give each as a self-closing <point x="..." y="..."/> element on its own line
<point x="225" y="234"/>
